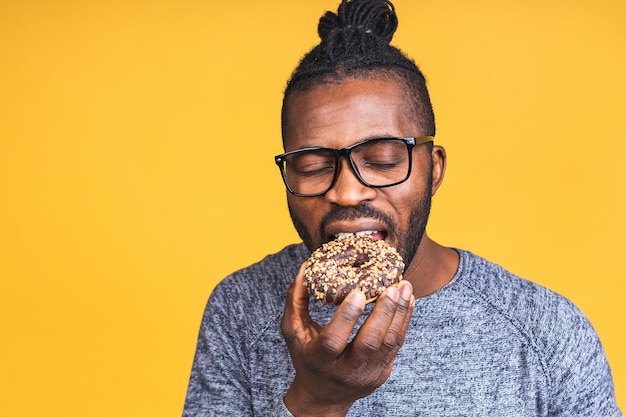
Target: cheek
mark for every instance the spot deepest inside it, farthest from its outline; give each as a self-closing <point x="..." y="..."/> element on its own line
<point x="404" y="203"/>
<point x="411" y="195"/>
<point x="305" y="210"/>
<point x="416" y="186"/>
<point x="306" y="218"/>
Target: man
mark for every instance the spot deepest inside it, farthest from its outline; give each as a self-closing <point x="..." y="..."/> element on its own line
<point x="459" y="336"/>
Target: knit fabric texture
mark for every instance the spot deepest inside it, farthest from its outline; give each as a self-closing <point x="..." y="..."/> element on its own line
<point x="487" y="344"/>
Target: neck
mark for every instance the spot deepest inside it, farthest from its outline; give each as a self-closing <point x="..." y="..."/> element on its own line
<point x="432" y="267"/>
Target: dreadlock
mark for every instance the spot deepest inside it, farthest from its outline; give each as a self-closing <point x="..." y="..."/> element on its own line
<point x="355" y="43"/>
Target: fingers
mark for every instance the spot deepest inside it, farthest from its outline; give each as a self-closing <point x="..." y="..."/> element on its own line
<point x="298" y="296"/>
<point x="306" y="339"/>
<point x="296" y="317"/>
<point x="326" y="364"/>
<point x="383" y="332"/>
<point x="376" y="342"/>
<point x="400" y="324"/>
<point x="333" y="339"/>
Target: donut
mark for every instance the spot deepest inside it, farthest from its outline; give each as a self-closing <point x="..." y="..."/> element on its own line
<point x="351" y="263"/>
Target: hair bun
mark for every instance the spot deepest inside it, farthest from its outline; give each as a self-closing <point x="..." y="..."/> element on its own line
<point x="376" y="17"/>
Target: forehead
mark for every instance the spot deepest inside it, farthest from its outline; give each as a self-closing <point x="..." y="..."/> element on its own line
<point x="339" y="114"/>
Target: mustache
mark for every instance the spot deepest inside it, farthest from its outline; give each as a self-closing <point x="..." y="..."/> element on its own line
<point x="362" y="210"/>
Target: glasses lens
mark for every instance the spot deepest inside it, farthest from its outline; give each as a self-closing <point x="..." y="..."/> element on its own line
<point x="382" y="162"/>
<point x="310" y="171"/>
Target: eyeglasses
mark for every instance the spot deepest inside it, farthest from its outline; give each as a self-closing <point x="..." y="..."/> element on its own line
<point x="377" y="163"/>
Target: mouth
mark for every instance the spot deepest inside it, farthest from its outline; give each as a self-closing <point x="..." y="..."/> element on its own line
<point x="375" y="234"/>
<point x="360" y="227"/>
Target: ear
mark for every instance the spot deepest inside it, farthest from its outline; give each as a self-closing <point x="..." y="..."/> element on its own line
<point x="439" y="166"/>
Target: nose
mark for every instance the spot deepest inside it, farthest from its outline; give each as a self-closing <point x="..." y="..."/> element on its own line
<point x="348" y="190"/>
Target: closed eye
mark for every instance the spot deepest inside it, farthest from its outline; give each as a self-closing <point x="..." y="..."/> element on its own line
<point x="381" y="166"/>
<point x="312" y="170"/>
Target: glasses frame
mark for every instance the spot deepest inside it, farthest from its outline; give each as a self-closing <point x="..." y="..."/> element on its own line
<point x="410" y="143"/>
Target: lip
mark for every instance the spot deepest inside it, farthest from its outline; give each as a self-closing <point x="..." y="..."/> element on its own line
<point x="355" y="226"/>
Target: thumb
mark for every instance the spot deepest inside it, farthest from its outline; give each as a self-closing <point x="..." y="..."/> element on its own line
<point x="296" y="317"/>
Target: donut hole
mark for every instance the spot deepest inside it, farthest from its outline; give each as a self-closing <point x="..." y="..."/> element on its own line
<point x="361" y="259"/>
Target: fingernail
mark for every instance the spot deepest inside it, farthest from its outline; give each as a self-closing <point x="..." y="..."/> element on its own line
<point x="357" y="299"/>
<point x="393" y="293"/>
<point x="405" y="292"/>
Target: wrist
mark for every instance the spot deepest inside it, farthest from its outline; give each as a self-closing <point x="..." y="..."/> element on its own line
<point x="300" y="403"/>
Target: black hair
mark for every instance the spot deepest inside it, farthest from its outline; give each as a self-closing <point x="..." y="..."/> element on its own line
<point x="355" y="43"/>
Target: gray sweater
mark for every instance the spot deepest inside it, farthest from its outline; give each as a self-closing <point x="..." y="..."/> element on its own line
<point x="487" y="344"/>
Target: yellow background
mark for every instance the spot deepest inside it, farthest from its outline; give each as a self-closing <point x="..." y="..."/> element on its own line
<point x="136" y="145"/>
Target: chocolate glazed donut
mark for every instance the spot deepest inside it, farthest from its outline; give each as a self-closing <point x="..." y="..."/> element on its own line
<point x="351" y="263"/>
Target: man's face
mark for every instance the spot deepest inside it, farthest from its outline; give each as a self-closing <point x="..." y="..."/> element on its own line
<point x="339" y="115"/>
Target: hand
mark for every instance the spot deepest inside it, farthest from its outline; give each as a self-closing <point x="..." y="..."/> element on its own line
<point x="330" y="372"/>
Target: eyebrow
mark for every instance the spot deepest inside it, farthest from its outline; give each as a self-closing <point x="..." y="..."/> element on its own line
<point x="369" y="137"/>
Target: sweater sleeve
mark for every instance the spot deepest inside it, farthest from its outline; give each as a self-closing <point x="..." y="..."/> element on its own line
<point x="219" y="384"/>
<point x="581" y="380"/>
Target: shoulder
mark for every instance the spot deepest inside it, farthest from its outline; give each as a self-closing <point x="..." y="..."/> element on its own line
<point x="555" y="328"/>
<point x="258" y="291"/>
<point x="531" y="307"/>
<point x="506" y="291"/>
<point x="264" y="281"/>
<point x="518" y="298"/>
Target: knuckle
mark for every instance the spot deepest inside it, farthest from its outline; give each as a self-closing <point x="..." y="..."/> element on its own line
<point x="331" y="343"/>
<point x="402" y="309"/>
<point x="349" y="314"/>
<point x="369" y="344"/>
<point x="375" y="374"/>
<point x="393" y="340"/>
<point x="387" y="307"/>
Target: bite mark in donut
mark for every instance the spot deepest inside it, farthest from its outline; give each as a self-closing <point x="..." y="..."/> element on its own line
<point x="351" y="263"/>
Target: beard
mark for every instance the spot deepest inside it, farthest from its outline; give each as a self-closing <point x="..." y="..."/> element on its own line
<point x="408" y="242"/>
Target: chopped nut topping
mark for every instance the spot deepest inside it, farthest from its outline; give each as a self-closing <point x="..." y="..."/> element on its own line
<point x="352" y="263"/>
